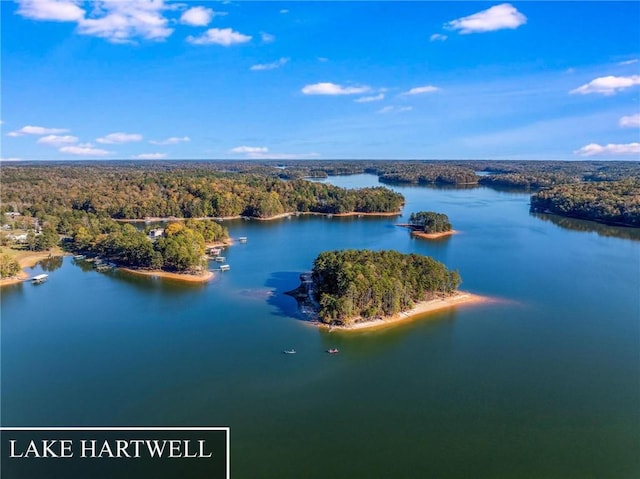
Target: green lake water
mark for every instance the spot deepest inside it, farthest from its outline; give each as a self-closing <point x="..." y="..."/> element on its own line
<point x="544" y="382"/>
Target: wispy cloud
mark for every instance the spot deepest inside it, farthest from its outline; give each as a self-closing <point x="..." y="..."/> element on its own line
<point x="394" y="109"/>
<point x="327" y="88"/>
<point x="119" y="137"/>
<point x="421" y="90"/>
<point x="608" y="85"/>
<point x="438" y="37"/>
<point x="498" y="17"/>
<point x="150" y="156"/>
<point x="263" y="153"/>
<point x="217" y="36"/>
<point x="12" y="158"/>
<point x="284" y="10"/>
<point x="628" y="62"/>
<point x="37" y="130"/>
<point x="630" y="121"/>
<point x="86" y="149"/>
<point x="269" y="66"/>
<point x="198" y="16"/>
<point x="267" y="37"/>
<point x="593" y="149"/>
<point x="368" y="99"/>
<point x="57" y="140"/>
<point x="174" y="140"/>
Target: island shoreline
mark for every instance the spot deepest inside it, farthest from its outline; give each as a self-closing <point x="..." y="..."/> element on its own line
<point x="423" y="308"/>
<point x="184" y="277"/>
<point x="270" y="218"/>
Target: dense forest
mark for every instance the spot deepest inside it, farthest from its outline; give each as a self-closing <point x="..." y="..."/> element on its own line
<point x="612" y="202"/>
<point x="430" y="222"/>
<point x="184" y="191"/>
<point x="356" y="285"/>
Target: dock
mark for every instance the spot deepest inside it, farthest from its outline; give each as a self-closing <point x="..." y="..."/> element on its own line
<point x="225" y="267"/>
<point x="39" y="278"/>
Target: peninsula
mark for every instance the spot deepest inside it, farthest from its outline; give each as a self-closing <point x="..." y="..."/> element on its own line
<point x="356" y="289"/>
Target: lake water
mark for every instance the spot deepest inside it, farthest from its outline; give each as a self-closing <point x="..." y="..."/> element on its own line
<point x="542" y="383"/>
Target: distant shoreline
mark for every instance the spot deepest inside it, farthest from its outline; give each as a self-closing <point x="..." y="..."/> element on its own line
<point x="269" y="218"/>
<point x="185" y="277"/>
<point x="421" y="308"/>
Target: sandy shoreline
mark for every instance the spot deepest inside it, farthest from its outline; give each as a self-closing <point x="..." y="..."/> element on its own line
<point x="418" y="234"/>
<point x="458" y="299"/>
<point x="156" y="273"/>
<point x="28" y="259"/>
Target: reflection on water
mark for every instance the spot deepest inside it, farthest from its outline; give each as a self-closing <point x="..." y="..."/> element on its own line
<point x="590" y="226"/>
<point x="51" y="264"/>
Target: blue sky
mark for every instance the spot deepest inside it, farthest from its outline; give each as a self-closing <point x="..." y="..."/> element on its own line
<point x="158" y="79"/>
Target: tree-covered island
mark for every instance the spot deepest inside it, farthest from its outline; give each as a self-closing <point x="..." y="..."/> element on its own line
<point x="429" y="224"/>
<point x="352" y="288"/>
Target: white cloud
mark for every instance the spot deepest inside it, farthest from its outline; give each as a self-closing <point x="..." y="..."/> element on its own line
<point x="323" y="59"/>
<point x="85" y="149"/>
<point x="197" y="16"/>
<point x="119" y="137"/>
<point x="13" y="158"/>
<point x="217" y="36"/>
<point x="594" y="149"/>
<point x="327" y="88"/>
<point x="150" y="156"/>
<point x="628" y="62"/>
<point x="249" y="149"/>
<point x="394" y="109"/>
<point x="174" y="140"/>
<point x="36" y="130"/>
<point x="123" y="21"/>
<point x="267" y="37"/>
<point x="422" y="89"/>
<point x="57" y="140"/>
<point x="368" y="99"/>
<point x="52" y="10"/>
<point x="437" y="37"/>
<point x="608" y="85"/>
<point x="498" y="17"/>
<point x="114" y="20"/>
<point x="630" y="121"/>
<point x="284" y="10"/>
<point x="269" y="66"/>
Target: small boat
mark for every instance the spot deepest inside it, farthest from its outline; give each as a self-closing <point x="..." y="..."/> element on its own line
<point x="333" y="351"/>
<point x="289" y="351"/>
<point x="79" y="257"/>
<point x="219" y="259"/>
<point x="242" y="239"/>
<point x="225" y="267"/>
<point x="40" y="278"/>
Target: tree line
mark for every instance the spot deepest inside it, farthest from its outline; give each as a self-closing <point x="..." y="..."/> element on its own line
<point x="612" y="202"/>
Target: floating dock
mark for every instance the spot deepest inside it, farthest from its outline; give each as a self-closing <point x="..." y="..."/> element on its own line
<point x="39" y="278"/>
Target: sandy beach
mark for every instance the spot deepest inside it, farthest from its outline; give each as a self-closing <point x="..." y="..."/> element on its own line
<point x="28" y="259"/>
<point x="461" y="298"/>
<point x="156" y="273"/>
<point x="418" y="234"/>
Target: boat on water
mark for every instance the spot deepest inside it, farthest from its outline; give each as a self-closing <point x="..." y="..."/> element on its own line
<point x="79" y="256"/>
<point x="242" y="239"/>
<point x="289" y="351"/>
<point x="219" y="259"/>
<point x="225" y="267"/>
<point x="39" y="278"/>
<point x="333" y="350"/>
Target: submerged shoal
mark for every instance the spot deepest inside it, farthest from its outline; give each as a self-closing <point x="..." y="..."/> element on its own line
<point x="156" y="273"/>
